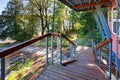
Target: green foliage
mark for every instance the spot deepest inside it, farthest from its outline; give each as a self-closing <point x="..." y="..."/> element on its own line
<point x="33" y="16"/>
<point x="3" y="45"/>
<point x="20" y="64"/>
<point x="19" y="69"/>
<point x="59" y="16"/>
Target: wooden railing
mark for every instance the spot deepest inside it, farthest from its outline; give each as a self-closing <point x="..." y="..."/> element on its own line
<point x="102" y="47"/>
<point x="17" y="47"/>
<point x="29" y="42"/>
<point x="103" y="43"/>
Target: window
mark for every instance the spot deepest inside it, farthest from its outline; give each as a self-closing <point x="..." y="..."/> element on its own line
<point x="116" y="26"/>
<point x="115" y="14"/>
<point x="115" y="22"/>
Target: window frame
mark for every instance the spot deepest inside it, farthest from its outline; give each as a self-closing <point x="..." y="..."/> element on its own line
<point x="114" y="20"/>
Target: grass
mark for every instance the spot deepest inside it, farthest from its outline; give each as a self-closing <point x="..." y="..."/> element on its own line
<point x="4" y="44"/>
<point x="19" y="69"/>
<point x="84" y="42"/>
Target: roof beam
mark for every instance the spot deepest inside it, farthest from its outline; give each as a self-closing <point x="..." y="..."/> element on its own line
<point x="91" y="4"/>
<point x="91" y="8"/>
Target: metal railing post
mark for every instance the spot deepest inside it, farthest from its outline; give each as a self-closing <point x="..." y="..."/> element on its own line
<point x="70" y="52"/>
<point x="46" y="50"/>
<point x="74" y="53"/>
<point x="3" y="68"/>
<point x="60" y="49"/>
<point x="57" y="50"/>
<point x="97" y="57"/>
<point x="100" y="57"/>
<point x="110" y="59"/>
<point x="52" y="49"/>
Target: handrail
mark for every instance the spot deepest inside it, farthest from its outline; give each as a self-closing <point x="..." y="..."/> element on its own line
<point x="102" y="43"/>
<point x="21" y="45"/>
<point x="12" y="49"/>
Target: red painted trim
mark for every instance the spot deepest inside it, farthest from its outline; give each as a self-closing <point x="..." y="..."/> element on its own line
<point x="91" y="4"/>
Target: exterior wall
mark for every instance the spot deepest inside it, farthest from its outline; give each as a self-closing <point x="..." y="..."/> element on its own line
<point x="113" y="36"/>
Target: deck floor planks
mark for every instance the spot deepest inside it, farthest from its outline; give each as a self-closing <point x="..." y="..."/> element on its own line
<point x="78" y="73"/>
<point x="84" y="68"/>
<point x="67" y="73"/>
<point x="61" y="77"/>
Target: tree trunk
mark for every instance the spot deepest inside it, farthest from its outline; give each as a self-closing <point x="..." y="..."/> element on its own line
<point x="53" y="16"/>
<point x="46" y="19"/>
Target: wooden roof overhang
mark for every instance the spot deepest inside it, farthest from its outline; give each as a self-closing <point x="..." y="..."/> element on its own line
<point x="85" y="5"/>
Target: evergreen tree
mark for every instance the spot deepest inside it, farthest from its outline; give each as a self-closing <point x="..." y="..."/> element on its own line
<point x="11" y="20"/>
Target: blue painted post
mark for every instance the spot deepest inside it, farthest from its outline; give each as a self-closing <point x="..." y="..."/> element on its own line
<point x="60" y="49"/>
<point x="103" y="21"/>
<point x="46" y="50"/>
<point x="99" y="26"/>
<point x="110" y="59"/>
<point x="52" y="49"/>
<point x="3" y="68"/>
<point x="99" y="57"/>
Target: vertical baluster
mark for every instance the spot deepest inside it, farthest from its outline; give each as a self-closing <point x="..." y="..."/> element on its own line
<point x="110" y="59"/>
<point x="97" y="57"/>
<point x="3" y="68"/>
<point x="46" y="50"/>
<point x="70" y="52"/>
<point x="52" y="49"/>
<point x="57" y="50"/>
<point x="60" y="49"/>
<point x="74" y="52"/>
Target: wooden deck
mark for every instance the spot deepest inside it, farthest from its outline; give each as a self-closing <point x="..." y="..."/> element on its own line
<point x="84" y="68"/>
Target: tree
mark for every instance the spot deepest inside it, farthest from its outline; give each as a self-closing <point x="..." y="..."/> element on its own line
<point x="40" y="10"/>
<point x="59" y="16"/>
<point x="11" y="19"/>
<point x="13" y="23"/>
<point x="74" y="17"/>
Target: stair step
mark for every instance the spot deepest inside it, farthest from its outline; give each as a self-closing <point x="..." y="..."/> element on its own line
<point x="68" y="61"/>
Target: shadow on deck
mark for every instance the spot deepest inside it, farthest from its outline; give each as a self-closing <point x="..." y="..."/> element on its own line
<point x="84" y="68"/>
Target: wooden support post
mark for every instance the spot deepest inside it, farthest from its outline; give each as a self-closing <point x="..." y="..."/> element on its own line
<point x="46" y="50"/>
<point x="3" y="68"/>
